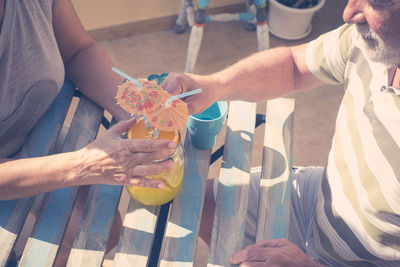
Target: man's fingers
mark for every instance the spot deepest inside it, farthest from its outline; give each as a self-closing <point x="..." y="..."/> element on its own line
<point x="123" y="126"/>
<point x="254" y="254"/>
<point x="144" y="182"/>
<point x="237" y="257"/>
<point x="174" y="84"/>
<point x="253" y="264"/>
<point x="193" y="107"/>
<point x="272" y="243"/>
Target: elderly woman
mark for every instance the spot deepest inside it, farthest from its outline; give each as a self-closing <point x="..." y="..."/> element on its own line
<point x="41" y="42"/>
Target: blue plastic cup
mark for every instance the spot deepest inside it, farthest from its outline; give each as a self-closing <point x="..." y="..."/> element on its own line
<point x="204" y="127"/>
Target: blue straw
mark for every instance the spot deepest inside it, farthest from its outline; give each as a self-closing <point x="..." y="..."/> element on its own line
<point x="172" y="98"/>
<point x="146" y="121"/>
<point x="126" y="76"/>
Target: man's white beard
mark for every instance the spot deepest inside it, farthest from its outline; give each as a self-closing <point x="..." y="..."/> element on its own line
<point x="375" y="48"/>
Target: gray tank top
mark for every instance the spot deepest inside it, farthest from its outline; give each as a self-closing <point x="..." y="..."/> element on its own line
<point x="31" y="69"/>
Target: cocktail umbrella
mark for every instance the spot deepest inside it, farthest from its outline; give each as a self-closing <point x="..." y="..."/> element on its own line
<point x="173" y="114"/>
<point x="139" y="96"/>
<point x="140" y="101"/>
<point x="170" y="118"/>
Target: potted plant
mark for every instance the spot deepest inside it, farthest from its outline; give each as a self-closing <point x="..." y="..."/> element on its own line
<point x="291" y="19"/>
<point x="299" y="3"/>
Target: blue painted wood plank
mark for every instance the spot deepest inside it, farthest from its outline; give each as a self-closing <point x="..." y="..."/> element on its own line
<point x="94" y="230"/>
<point x="231" y="205"/>
<point x="137" y="235"/>
<point x="42" y="246"/>
<point x="275" y="185"/>
<point x="180" y="241"/>
<point x="40" y="141"/>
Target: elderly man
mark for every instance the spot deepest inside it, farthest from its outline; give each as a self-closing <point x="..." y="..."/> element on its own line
<point x="349" y="212"/>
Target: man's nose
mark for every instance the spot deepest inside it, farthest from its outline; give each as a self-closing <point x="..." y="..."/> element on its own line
<point x="353" y="12"/>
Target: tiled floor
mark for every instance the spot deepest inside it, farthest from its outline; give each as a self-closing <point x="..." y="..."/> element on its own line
<point x="224" y="44"/>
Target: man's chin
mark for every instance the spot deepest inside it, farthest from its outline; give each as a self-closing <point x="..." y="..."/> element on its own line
<point x="375" y="57"/>
<point x="378" y="55"/>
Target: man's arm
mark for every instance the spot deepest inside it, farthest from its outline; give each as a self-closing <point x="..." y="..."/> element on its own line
<point x="264" y="75"/>
<point x="267" y="74"/>
<point x="86" y="64"/>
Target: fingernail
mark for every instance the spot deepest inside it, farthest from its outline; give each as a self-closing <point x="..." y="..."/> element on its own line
<point x="160" y="185"/>
<point x="171" y="145"/>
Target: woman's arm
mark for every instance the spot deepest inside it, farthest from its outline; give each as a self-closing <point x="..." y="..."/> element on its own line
<point x="86" y="64"/>
<point x="107" y="160"/>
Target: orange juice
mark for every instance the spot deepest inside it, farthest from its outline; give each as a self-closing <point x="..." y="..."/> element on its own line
<point x="172" y="177"/>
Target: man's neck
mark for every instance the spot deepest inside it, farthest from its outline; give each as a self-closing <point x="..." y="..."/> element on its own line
<point x="396" y="78"/>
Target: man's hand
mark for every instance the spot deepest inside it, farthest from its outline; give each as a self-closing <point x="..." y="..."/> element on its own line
<point x="112" y="160"/>
<point x="272" y="252"/>
<point x="177" y="83"/>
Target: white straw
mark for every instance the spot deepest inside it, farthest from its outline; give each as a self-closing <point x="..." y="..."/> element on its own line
<point x="126" y="76"/>
<point x="172" y="98"/>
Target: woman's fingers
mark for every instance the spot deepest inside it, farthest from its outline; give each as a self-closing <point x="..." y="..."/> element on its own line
<point x="122" y="127"/>
<point x="143" y="158"/>
<point x="149" y="145"/>
<point x="150" y="169"/>
<point x="124" y="160"/>
<point x="144" y="182"/>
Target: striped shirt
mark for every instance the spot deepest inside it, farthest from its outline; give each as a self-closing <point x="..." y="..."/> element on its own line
<point x="357" y="214"/>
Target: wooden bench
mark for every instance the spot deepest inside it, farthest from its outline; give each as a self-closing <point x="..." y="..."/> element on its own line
<point x="73" y="226"/>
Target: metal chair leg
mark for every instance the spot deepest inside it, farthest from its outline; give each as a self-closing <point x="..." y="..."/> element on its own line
<point x="262" y="26"/>
<point x="185" y="15"/>
<point x="251" y="8"/>
<point x="196" y="35"/>
<point x="256" y="7"/>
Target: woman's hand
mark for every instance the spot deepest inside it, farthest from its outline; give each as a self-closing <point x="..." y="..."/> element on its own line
<point x="113" y="160"/>
<point x="273" y="252"/>
<point x="177" y="83"/>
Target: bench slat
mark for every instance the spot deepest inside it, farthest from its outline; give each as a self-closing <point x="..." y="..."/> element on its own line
<point x="40" y="142"/>
<point x="94" y="229"/>
<point x="42" y="139"/>
<point x="179" y="246"/>
<point x="231" y="207"/>
<point x="137" y="235"/>
<point x="13" y="215"/>
<point x="274" y="204"/>
<point x="43" y="244"/>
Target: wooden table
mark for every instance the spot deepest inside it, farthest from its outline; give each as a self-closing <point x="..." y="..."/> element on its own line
<point x="75" y="226"/>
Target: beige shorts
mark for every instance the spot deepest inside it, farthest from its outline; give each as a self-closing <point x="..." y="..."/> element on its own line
<point x="307" y="179"/>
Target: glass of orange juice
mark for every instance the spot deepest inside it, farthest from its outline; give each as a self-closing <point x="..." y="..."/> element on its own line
<point x="172" y="177"/>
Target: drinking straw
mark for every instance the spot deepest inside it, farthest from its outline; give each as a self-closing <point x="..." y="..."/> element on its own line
<point x="172" y="98"/>
<point x="156" y="132"/>
<point x="146" y="121"/>
<point x="126" y="76"/>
